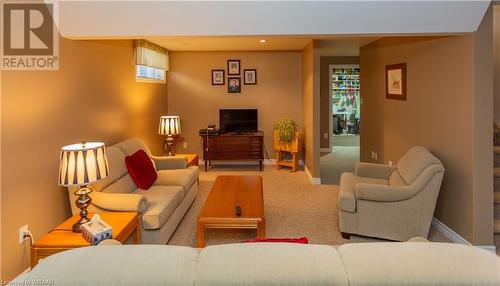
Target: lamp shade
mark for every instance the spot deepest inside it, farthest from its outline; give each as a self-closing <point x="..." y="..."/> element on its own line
<point x="170" y="125"/>
<point x="82" y="164"/>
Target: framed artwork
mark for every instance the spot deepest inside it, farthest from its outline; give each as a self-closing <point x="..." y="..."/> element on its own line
<point x="250" y="76"/>
<point x="234" y="84"/>
<point x="395" y="81"/>
<point x="218" y="77"/>
<point x="233" y="67"/>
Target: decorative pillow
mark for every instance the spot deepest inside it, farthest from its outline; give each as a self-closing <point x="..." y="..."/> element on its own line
<point x="302" y="240"/>
<point x="141" y="169"/>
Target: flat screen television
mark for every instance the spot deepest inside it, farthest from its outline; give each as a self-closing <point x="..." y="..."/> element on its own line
<point x="238" y="120"/>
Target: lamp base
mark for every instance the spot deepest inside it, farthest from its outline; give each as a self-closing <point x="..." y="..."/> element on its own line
<point x="169" y="146"/>
<point x="82" y="203"/>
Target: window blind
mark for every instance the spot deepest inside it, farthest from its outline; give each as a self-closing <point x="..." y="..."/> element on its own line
<point x="150" y="55"/>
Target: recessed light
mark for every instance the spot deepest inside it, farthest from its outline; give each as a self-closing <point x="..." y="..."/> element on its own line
<point x="263" y="41"/>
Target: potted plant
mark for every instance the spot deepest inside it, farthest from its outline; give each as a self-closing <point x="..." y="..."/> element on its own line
<point x="287" y="138"/>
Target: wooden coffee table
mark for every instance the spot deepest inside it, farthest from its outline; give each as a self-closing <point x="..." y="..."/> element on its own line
<point x="220" y="208"/>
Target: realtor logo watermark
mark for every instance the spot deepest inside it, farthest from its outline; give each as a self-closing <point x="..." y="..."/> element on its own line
<point x="30" y="39"/>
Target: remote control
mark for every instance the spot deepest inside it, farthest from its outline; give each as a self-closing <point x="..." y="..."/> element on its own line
<point x="238" y="210"/>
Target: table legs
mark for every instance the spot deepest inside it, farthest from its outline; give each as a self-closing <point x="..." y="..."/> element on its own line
<point x="261" y="229"/>
<point x="201" y="234"/>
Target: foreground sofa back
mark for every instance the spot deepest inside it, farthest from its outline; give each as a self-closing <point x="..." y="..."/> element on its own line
<point x="407" y="263"/>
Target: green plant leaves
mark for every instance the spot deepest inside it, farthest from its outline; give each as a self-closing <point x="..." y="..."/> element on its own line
<point x="286" y="129"/>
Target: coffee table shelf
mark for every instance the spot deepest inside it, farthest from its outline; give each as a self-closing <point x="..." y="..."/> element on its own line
<point x="228" y="192"/>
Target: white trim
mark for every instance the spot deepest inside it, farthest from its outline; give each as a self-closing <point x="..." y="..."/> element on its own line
<point x="314" y="181"/>
<point x="325" y="150"/>
<point x="448" y="232"/>
<point x="455" y="237"/>
<point x="266" y="162"/>
<point x="330" y="111"/>
<point x="491" y="248"/>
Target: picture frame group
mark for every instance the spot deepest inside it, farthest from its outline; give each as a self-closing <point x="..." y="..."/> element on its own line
<point x="234" y="79"/>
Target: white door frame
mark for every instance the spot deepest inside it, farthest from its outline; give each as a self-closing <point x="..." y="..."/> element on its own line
<point x="330" y="105"/>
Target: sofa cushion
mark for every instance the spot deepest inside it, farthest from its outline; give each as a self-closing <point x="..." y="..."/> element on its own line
<point x="132" y="145"/>
<point x="270" y="264"/>
<point x="414" y="162"/>
<point x="117" y="168"/>
<point x="162" y="201"/>
<point x="141" y="169"/>
<point x="124" y="184"/>
<point x="178" y="177"/>
<point x="419" y="263"/>
<point x="347" y="193"/>
<point x="145" y="265"/>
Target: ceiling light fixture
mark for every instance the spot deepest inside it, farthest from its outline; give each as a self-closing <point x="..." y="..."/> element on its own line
<point x="263" y="41"/>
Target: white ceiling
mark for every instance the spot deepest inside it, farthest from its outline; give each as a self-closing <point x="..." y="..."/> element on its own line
<point x="105" y="19"/>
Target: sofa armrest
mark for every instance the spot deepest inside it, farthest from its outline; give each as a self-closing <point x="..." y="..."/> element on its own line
<point x="375" y="171"/>
<point x="383" y="193"/>
<point x="170" y="162"/>
<point x="120" y="202"/>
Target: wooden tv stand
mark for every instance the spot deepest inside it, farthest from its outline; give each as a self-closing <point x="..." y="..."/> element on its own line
<point x="233" y="146"/>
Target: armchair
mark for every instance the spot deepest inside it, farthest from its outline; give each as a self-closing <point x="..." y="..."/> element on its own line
<point x="391" y="202"/>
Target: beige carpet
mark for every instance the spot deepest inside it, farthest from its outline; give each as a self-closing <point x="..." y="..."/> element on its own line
<point x="341" y="159"/>
<point x="292" y="206"/>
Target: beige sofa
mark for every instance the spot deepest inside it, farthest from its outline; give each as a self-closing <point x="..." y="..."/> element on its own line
<point x="391" y="202"/>
<point x="355" y="264"/>
<point x="162" y="207"/>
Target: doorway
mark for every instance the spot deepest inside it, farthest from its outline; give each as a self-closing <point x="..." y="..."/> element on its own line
<point x="344" y="116"/>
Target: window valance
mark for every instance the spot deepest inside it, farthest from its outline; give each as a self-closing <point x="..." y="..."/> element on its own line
<point x="150" y="55"/>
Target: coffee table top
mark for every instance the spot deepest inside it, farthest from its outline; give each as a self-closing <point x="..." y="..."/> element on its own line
<point x="230" y="191"/>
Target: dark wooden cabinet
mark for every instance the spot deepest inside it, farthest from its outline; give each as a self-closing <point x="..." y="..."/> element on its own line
<point x="233" y="146"/>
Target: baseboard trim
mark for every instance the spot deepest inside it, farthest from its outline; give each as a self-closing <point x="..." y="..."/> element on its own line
<point x="314" y="181"/>
<point x="267" y="162"/>
<point x="448" y="232"/>
<point x="455" y="237"/>
<point x="491" y="248"/>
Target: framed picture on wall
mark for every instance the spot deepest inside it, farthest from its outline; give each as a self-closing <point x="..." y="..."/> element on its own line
<point x="233" y="67"/>
<point x="395" y="81"/>
<point x="234" y="84"/>
<point x="218" y="77"/>
<point x="250" y="76"/>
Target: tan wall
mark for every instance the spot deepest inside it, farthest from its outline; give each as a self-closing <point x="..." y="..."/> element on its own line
<point x="191" y="96"/>
<point x="444" y="112"/>
<point x="93" y="96"/>
<point x="311" y="106"/>
<point x="496" y="54"/>
<point x="325" y="94"/>
<point x="483" y="223"/>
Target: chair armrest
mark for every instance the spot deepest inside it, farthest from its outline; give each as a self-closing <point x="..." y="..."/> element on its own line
<point x="170" y="162"/>
<point x="374" y="171"/>
<point x="120" y="202"/>
<point x="383" y="193"/>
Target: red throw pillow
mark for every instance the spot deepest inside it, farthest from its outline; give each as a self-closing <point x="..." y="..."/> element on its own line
<point x="302" y="240"/>
<point x="141" y="169"/>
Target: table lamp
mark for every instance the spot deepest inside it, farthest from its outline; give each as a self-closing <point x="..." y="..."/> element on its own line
<point x="80" y="165"/>
<point x="170" y="126"/>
